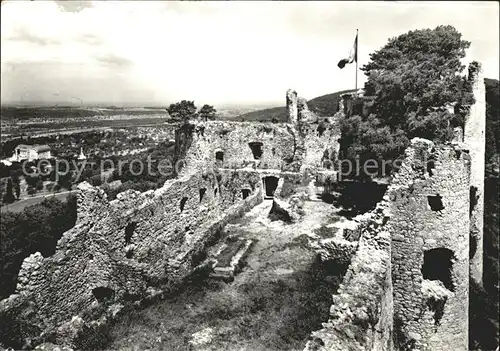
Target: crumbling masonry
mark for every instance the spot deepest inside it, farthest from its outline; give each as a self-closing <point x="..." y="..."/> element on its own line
<point x="407" y="284"/>
<point x="142" y="245"/>
<point x="474" y="137"/>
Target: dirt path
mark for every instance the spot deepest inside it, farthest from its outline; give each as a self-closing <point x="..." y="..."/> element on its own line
<point x="281" y="295"/>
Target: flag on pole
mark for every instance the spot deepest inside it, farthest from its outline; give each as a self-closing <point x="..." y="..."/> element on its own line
<point x="353" y="54"/>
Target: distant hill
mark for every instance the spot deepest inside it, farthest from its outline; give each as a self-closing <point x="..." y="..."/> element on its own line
<point x="326" y="105"/>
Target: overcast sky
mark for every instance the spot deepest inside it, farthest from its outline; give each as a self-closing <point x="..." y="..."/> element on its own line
<point x="211" y="52"/>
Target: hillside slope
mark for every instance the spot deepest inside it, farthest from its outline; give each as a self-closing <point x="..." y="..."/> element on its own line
<point x="326" y="105"/>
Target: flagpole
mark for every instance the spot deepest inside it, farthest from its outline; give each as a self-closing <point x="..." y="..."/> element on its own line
<point x="356" y="53"/>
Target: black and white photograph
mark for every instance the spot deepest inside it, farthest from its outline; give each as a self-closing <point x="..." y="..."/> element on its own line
<point x="249" y="175"/>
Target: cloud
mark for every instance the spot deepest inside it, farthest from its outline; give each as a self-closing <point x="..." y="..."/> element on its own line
<point x="23" y="34"/>
<point x="90" y="39"/>
<point x="215" y="52"/>
<point x="112" y="59"/>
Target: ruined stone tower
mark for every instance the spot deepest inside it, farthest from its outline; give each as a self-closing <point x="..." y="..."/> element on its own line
<point x="433" y="214"/>
<point x="292" y="106"/>
<point x="429" y="229"/>
<point x="474" y="137"/>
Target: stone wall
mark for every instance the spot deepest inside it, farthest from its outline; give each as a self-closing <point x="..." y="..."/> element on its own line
<point x="361" y="313"/>
<point x="141" y="244"/>
<point x="274" y="145"/>
<point x="429" y="228"/>
<point x="407" y="285"/>
<point x="312" y="143"/>
<point x="126" y="249"/>
<point x="474" y="137"/>
<point x="317" y="141"/>
<point x="292" y="106"/>
<point x="321" y="144"/>
<point x="319" y="137"/>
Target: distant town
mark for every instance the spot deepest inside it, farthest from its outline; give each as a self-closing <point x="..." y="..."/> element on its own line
<point x="81" y="137"/>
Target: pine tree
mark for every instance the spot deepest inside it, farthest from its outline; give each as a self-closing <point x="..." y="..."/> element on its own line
<point x="9" y="195"/>
<point x="182" y="111"/>
<point x="16" y="182"/>
<point x="17" y="188"/>
<point x="207" y="113"/>
<point x="413" y="81"/>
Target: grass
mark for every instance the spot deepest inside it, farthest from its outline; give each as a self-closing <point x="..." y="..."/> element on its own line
<point x="261" y="314"/>
<point x="281" y="296"/>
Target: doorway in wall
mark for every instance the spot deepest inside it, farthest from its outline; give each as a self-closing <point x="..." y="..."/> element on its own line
<point x="270" y="185"/>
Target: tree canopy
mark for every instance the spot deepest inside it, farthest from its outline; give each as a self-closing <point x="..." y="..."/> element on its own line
<point x="207" y="112"/>
<point x="185" y="110"/>
<point x="9" y="195"/>
<point x="418" y="90"/>
<point x="182" y="111"/>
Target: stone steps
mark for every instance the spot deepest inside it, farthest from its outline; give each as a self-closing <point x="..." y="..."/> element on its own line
<point x="228" y="272"/>
<point x="312" y="191"/>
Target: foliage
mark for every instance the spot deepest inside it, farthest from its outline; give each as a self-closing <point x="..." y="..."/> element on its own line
<point x="417" y="72"/>
<point x="415" y="81"/>
<point x="36" y="229"/>
<point x="31" y="180"/>
<point x="68" y="145"/>
<point x="207" y="113"/>
<point x="370" y="139"/>
<point x="146" y="179"/>
<point x="483" y="318"/>
<point x="14" y="175"/>
<point x="3" y="187"/>
<point x="182" y="111"/>
<point x="186" y="110"/>
<point x="17" y="188"/>
<point x="65" y="179"/>
<point x="9" y="194"/>
<point x="53" y="187"/>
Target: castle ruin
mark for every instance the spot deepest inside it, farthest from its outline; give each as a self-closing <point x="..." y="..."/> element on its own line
<point x="406" y="287"/>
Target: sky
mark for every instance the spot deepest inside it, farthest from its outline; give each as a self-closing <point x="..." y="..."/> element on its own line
<point x="229" y="52"/>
